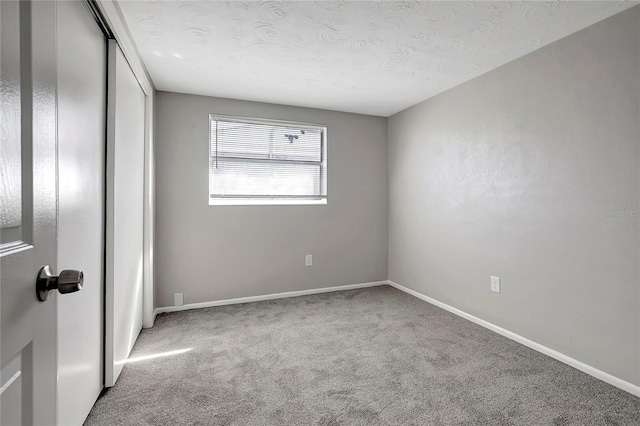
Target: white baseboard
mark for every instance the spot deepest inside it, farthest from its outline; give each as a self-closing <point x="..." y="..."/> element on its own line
<point x="266" y="297"/>
<point x="153" y="318"/>
<point x="592" y="371"/>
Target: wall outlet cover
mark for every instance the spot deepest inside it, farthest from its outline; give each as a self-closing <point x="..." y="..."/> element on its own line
<point x="495" y="284"/>
<point x="308" y="260"/>
<point x="178" y="299"/>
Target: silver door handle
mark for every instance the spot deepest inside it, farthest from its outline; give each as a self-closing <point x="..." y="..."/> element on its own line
<point x="68" y="281"/>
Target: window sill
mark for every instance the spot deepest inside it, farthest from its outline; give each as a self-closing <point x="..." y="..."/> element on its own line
<point x="253" y="202"/>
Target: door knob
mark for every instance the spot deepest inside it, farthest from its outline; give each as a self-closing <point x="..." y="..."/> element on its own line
<point x="68" y="281"/>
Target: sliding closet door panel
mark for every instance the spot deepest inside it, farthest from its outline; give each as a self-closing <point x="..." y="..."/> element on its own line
<point x="82" y="98"/>
<point x="125" y="196"/>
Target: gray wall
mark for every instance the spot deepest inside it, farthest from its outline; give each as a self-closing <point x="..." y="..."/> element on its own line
<point x="531" y="173"/>
<point x="221" y="252"/>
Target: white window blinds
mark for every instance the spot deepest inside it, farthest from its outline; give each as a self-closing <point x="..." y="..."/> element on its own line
<point x="255" y="161"/>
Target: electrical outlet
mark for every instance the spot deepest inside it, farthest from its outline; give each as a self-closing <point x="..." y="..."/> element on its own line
<point x="308" y="260"/>
<point x="178" y="299"/>
<point x="495" y="284"/>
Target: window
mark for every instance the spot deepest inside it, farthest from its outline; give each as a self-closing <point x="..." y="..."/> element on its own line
<point x="254" y="161"/>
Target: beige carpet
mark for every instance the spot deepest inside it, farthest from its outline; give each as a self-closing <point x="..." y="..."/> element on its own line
<point x="361" y="357"/>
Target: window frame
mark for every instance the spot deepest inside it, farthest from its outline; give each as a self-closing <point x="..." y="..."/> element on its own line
<point x="262" y="200"/>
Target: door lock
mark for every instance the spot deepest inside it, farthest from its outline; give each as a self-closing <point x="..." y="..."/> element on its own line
<point x="69" y="281"/>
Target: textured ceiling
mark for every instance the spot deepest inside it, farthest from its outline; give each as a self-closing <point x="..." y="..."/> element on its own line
<point x="367" y="57"/>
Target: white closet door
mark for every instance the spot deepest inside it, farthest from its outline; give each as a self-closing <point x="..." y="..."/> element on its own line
<point x="125" y="201"/>
<point x="82" y="99"/>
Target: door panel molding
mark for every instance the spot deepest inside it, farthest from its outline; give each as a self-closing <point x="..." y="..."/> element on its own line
<point x="28" y="327"/>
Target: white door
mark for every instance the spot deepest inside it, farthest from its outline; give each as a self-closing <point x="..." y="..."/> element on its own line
<point x="27" y="211"/>
<point x="82" y="67"/>
<point x="125" y="204"/>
